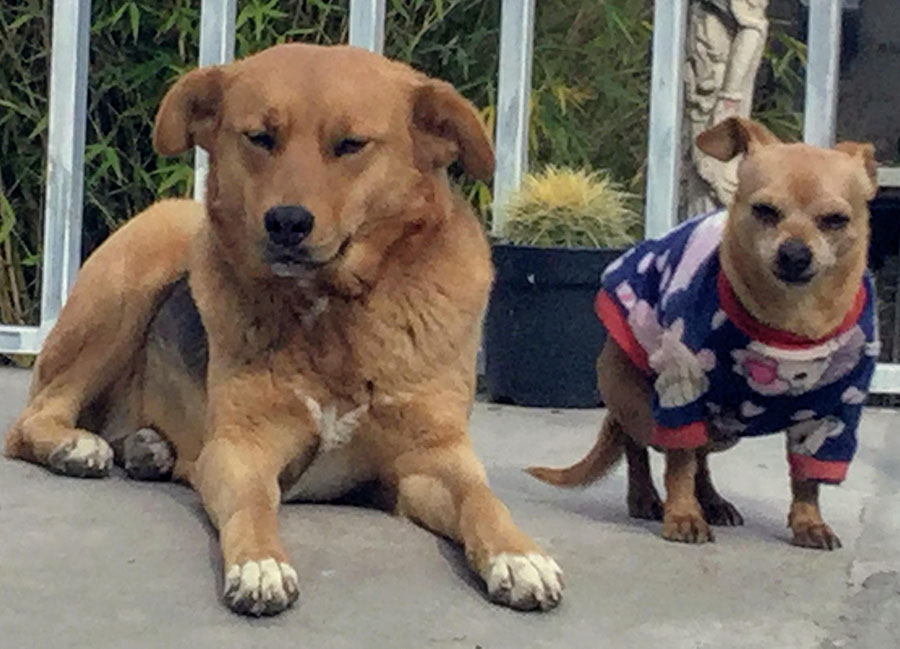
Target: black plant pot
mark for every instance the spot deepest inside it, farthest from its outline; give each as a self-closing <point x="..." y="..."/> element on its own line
<point x="541" y="335"/>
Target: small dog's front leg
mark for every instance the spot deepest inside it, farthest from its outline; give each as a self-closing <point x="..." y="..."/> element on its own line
<point x="805" y="519"/>
<point x="682" y="516"/>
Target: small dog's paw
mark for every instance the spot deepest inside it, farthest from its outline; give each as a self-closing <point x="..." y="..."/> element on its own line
<point x="263" y="587"/>
<point x="815" y="535"/>
<point x="721" y="512"/>
<point x="524" y="581"/>
<point x="686" y="528"/>
<point x="645" y="506"/>
<point x="85" y="456"/>
<point x="148" y="456"/>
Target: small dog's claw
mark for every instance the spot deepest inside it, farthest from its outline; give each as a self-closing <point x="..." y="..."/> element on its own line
<point x="817" y="536"/>
<point x="687" y="528"/>
<point x="646" y="508"/>
<point x="722" y="513"/>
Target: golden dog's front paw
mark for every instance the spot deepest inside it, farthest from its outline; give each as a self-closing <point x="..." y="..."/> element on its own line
<point x="524" y="581"/>
<point x="686" y="527"/>
<point x="815" y="535"/>
<point x="264" y="587"/>
<point x="84" y="456"/>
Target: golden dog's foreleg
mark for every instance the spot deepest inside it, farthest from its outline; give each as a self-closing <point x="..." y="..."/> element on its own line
<point x="805" y="518"/>
<point x="255" y="431"/>
<point x="445" y="490"/>
<point x="682" y="516"/>
<point x="238" y="483"/>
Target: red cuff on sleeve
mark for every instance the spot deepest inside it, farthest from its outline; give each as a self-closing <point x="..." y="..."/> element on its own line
<point x="804" y="467"/>
<point x="689" y="436"/>
<point x="617" y="328"/>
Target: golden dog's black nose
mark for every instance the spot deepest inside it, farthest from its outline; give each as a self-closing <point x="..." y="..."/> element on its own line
<point x="793" y="261"/>
<point x="288" y="225"/>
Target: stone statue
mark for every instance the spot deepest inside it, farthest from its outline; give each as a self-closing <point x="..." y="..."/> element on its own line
<point x="725" y="43"/>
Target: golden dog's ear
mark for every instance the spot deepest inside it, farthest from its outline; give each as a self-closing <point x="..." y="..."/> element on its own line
<point x="190" y="112"/>
<point x="446" y="127"/>
<point x="865" y="153"/>
<point x="734" y="136"/>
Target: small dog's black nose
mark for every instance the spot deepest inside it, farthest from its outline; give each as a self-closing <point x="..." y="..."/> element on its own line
<point x="288" y="225"/>
<point x="793" y="260"/>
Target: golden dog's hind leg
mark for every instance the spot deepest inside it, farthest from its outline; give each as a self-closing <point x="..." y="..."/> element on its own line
<point x="805" y="518"/>
<point x="445" y="490"/>
<point x="682" y="516"/>
<point x="98" y="335"/>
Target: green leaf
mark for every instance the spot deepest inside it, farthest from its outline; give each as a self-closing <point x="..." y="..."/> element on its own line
<point x="135" y="13"/>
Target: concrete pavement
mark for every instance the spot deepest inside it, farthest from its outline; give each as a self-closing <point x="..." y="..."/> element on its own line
<point x="116" y="563"/>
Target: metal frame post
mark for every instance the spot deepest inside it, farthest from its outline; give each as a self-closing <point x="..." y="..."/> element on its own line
<point x="513" y="103"/>
<point x="217" y="20"/>
<point x="367" y="24"/>
<point x="65" y="171"/>
<point x="666" y="111"/>
<point x="822" y="67"/>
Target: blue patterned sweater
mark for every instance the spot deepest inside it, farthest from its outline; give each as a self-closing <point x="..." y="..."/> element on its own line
<point x="718" y="373"/>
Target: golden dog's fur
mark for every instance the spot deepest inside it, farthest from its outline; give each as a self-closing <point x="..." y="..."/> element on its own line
<point x="351" y="363"/>
<point x="804" y="184"/>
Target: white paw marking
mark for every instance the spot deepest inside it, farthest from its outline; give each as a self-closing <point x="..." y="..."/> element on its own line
<point x="524" y="581"/>
<point x="261" y="587"/>
<point x="87" y="455"/>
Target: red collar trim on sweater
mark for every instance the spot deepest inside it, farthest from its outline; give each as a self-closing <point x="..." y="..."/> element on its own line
<point x="777" y="338"/>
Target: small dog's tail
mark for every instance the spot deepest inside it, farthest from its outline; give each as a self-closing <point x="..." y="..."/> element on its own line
<point x="605" y="454"/>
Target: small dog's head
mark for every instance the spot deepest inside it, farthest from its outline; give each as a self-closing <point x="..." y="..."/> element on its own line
<point x="800" y="215"/>
<point x="314" y="149"/>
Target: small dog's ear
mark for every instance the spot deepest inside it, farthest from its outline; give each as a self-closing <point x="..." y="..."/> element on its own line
<point x="190" y="112"/>
<point x="734" y="136"/>
<point x="446" y="127"/>
<point x="865" y="152"/>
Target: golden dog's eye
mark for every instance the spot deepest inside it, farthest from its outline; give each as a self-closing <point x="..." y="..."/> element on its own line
<point x="835" y="221"/>
<point x="348" y="146"/>
<point x="261" y="139"/>
<point x="766" y="213"/>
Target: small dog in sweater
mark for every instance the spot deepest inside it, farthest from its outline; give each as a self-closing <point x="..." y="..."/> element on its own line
<point x="748" y="322"/>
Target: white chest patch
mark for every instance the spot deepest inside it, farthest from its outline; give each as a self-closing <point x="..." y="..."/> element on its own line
<point x="334" y="431"/>
<point x="332" y="472"/>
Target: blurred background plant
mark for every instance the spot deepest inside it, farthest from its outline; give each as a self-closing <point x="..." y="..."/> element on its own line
<point x="589" y="103"/>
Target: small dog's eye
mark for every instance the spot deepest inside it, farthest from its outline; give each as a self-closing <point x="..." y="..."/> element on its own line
<point x="766" y="213"/>
<point x="261" y="139"/>
<point x="834" y="222"/>
<point x="348" y="146"/>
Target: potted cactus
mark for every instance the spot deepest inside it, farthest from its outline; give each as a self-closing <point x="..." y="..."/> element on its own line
<point x="541" y="340"/>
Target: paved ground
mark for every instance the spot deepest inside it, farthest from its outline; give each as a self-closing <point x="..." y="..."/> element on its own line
<point x="115" y="563"/>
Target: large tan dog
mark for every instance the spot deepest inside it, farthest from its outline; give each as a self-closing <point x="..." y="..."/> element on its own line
<point x="778" y="304"/>
<point x="315" y="330"/>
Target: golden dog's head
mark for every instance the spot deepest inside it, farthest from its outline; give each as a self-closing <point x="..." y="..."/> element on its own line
<point x="800" y="218"/>
<point x="313" y="149"/>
